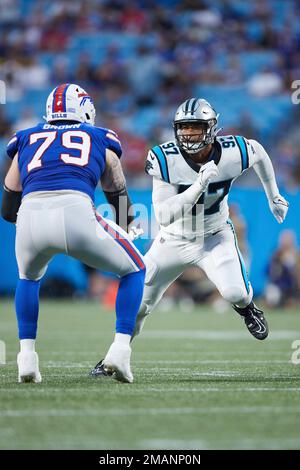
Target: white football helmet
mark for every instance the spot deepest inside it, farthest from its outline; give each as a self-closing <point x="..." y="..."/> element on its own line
<point x="70" y="102"/>
<point x="196" y="111"/>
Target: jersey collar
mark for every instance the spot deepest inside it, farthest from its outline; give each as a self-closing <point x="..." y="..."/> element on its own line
<point x="64" y="122"/>
<point x="215" y="156"/>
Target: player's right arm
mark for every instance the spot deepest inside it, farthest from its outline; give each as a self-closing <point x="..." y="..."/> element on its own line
<point x="114" y="187"/>
<point x="170" y="206"/>
<point x="12" y="192"/>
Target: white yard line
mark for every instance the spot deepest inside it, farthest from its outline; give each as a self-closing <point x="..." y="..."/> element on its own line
<point x="187" y="444"/>
<point x="36" y="389"/>
<point x="217" y="335"/>
<point x="211" y="361"/>
<point x="272" y="352"/>
<point x="199" y="444"/>
<point x="192" y="363"/>
<point x="149" y="411"/>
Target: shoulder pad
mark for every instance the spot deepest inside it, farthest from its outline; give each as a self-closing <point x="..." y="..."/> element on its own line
<point x="152" y="166"/>
<point x="109" y="138"/>
<point x="244" y="148"/>
<point x="157" y="161"/>
<point x="237" y="142"/>
<point x="12" y="146"/>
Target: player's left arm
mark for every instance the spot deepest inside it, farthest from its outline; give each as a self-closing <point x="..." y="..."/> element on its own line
<point x="12" y="192"/>
<point x="261" y="162"/>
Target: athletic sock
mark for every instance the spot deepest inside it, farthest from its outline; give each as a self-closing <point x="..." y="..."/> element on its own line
<point x="128" y="302"/>
<point x="122" y="338"/>
<point x="27" y="345"/>
<point x="27" y="308"/>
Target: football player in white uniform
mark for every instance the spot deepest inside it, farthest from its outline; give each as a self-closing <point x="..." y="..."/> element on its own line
<point x="192" y="176"/>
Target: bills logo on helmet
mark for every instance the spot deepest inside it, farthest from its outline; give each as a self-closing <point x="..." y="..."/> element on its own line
<point x="85" y="99"/>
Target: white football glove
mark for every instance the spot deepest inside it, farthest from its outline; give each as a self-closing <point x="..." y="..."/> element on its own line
<point x="135" y="232"/>
<point x="207" y="172"/>
<point x="279" y="207"/>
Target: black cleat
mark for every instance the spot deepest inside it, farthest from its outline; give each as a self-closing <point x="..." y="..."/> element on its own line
<point x="99" y="371"/>
<point x="254" y="320"/>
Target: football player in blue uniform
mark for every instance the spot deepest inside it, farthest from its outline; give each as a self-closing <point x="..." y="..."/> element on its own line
<point x="49" y="193"/>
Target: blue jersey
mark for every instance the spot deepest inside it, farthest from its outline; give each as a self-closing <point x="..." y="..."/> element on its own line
<point x="62" y="156"/>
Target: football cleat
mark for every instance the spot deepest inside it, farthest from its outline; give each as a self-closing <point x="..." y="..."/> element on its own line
<point x="117" y="362"/>
<point x="99" y="371"/>
<point x="254" y="320"/>
<point x="28" y="365"/>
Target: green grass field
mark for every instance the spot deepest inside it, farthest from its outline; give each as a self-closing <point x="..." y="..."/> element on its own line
<point x="201" y="382"/>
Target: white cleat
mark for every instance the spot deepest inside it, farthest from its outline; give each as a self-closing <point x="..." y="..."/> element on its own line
<point x="28" y="364"/>
<point x="117" y="361"/>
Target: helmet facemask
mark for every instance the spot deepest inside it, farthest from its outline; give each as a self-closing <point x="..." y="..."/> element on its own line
<point x="193" y="142"/>
<point x="193" y="113"/>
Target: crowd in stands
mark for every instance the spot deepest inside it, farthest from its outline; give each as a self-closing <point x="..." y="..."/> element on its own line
<point x="283" y="288"/>
<point x="140" y="59"/>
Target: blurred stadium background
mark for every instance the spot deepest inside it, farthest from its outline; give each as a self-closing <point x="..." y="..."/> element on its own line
<point x="139" y="60"/>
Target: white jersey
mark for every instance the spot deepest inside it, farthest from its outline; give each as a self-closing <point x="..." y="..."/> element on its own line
<point x="232" y="154"/>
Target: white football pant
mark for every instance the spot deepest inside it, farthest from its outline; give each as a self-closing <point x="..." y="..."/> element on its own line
<point x="66" y="222"/>
<point x="217" y="255"/>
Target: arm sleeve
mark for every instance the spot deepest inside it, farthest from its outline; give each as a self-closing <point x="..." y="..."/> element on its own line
<point x="11" y="201"/>
<point x="170" y="206"/>
<point x="262" y="165"/>
<point x="12" y="146"/>
<point x="122" y="204"/>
